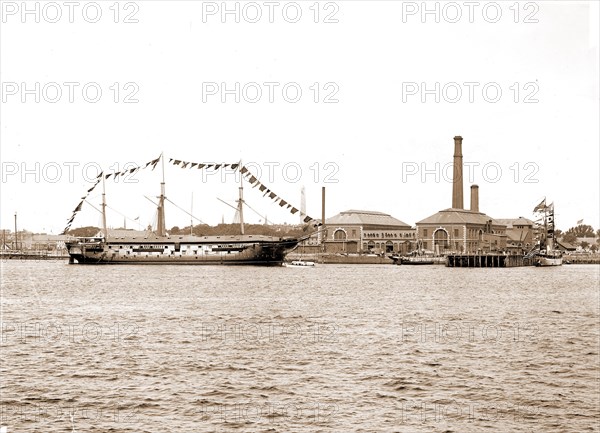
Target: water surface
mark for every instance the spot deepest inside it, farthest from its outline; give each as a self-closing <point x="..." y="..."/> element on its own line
<point x="365" y="348"/>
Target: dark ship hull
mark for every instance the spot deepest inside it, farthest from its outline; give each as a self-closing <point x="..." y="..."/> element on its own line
<point x="182" y="250"/>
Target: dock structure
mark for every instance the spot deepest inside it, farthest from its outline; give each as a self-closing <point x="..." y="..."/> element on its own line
<point x="581" y="259"/>
<point x="487" y="261"/>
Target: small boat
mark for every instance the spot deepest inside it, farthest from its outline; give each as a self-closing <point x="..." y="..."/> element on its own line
<point x="299" y="264"/>
<point x="395" y="258"/>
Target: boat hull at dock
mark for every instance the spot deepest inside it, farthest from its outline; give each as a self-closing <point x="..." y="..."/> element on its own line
<point x="416" y="261"/>
<point x="182" y="250"/>
<point x="300" y="264"/>
<point x="548" y="260"/>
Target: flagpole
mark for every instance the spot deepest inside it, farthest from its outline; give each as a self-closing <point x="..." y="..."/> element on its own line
<point x="104" y="209"/>
<point x="161" y="202"/>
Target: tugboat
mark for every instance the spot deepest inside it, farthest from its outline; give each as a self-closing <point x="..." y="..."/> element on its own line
<point x="161" y="248"/>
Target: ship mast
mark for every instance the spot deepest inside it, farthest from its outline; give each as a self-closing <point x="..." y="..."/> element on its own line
<point x="16" y="234"/>
<point x="545" y="227"/>
<point x="191" y="217"/>
<point x="241" y="200"/>
<point x="104" y="209"/>
<point x="161" y="226"/>
<point x="550" y="228"/>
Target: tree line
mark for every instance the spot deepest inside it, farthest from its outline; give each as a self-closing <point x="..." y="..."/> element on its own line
<point x="580" y="231"/>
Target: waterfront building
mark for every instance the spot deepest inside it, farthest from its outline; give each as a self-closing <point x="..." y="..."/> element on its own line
<point x="361" y="231"/>
<point x="28" y="241"/>
<point x="520" y="234"/>
<point x="460" y="230"/>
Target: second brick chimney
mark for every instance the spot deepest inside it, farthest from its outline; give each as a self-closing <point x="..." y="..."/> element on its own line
<point x="474" y="198"/>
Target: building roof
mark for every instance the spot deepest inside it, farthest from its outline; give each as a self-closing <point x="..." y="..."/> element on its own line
<point x="459" y="216"/>
<point x="124" y="233"/>
<point x="565" y="245"/>
<point x="364" y="217"/>
<point x="517" y="235"/>
<point x="510" y="222"/>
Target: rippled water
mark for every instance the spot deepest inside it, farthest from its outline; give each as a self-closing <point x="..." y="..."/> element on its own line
<point x="334" y="348"/>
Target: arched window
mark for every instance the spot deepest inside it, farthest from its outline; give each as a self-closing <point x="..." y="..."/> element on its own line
<point x="389" y="247"/>
<point x="440" y="237"/>
<point x="339" y="235"/>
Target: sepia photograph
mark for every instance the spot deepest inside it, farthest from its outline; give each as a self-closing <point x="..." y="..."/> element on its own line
<point x="299" y="216"/>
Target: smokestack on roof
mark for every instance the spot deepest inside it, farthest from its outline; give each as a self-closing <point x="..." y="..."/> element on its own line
<point x="474" y="198"/>
<point x="457" y="180"/>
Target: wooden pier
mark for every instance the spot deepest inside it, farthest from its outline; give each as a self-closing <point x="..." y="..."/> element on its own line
<point x="487" y="261"/>
<point x="581" y="259"/>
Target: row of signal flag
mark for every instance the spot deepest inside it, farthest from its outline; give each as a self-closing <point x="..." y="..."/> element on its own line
<point x="185" y="164"/>
<point x="98" y="180"/>
<point x="253" y="180"/>
<point x="130" y="170"/>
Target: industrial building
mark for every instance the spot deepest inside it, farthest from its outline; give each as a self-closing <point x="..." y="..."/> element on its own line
<point x="461" y="230"/>
<point x="360" y="231"/>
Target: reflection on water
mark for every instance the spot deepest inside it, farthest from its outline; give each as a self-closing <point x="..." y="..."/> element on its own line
<point x="334" y="348"/>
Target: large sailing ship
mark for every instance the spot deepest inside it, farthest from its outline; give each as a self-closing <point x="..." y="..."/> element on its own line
<point x="546" y="254"/>
<point x="158" y="247"/>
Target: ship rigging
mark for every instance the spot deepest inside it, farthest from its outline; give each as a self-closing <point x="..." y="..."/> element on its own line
<point x="159" y="247"/>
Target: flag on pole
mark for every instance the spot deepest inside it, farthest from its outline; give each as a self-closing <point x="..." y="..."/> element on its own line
<point x="540" y="206"/>
<point x="579" y="222"/>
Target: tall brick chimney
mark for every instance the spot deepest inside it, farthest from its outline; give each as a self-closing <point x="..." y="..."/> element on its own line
<point x="457" y="180"/>
<point x="474" y="198"/>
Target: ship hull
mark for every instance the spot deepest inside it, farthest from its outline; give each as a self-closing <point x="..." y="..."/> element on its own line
<point x="548" y="261"/>
<point x="414" y="261"/>
<point x="207" y="251"/>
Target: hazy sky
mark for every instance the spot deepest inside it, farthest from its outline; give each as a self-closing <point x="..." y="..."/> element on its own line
<point x="384" y="89"/>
